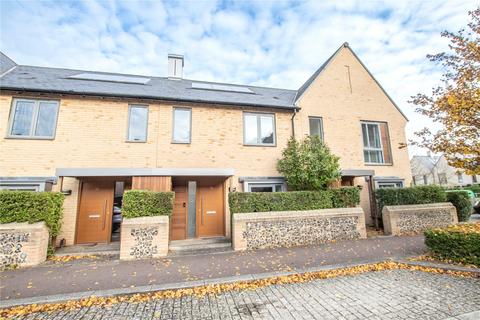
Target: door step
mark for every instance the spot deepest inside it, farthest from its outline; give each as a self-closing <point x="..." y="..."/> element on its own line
<point x="199" y="246"/>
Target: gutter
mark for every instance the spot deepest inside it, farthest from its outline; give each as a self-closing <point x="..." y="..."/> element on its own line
<point x="293" y="122"/>
<point x="101" y="95"/>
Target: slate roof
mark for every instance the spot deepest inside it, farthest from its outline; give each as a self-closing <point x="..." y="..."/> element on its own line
<point x="56" y="80"/>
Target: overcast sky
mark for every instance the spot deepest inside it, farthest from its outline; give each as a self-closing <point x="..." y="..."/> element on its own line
<point x="268" y="43"/>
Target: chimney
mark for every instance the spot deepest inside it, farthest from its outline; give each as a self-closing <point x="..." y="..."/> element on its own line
<point x="175" y="66"/>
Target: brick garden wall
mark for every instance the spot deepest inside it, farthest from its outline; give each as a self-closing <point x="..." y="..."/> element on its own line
<point x="293" y="228"/>
<point x="23" y="244"/>
<point x="414" y="219"/>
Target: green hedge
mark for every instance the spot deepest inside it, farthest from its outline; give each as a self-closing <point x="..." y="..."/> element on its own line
<point x="27" y="206"/>
<point x="411" y="195"/>
<point x="295" y="200"/>
<point x="460" y="243"/>
<point x="462" y="203"/>
<point x="142" y="203"/>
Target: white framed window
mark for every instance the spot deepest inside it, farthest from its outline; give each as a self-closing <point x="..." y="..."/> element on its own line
<point x="316" y="126"/>
<point x="137" y="123"/>
<point x="460" y="177"/>
<point x="182" y="125"/>
<point x="389" y="182"/>
<point x="372" y="143"/>
<point x="265" y="186"/>
<point x="398" y="184"/>
<point x="259" y="129"/>
<point x="33" y="119"/>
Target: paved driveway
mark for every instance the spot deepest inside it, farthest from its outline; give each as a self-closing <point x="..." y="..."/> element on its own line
<point x="395" y="294"/>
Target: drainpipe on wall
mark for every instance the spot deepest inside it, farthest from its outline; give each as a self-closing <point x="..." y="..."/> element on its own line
<point x="293" y="121"/>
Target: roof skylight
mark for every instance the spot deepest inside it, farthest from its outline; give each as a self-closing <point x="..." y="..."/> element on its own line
<point x="220" y="87"/>
<point x="110" y="78"/>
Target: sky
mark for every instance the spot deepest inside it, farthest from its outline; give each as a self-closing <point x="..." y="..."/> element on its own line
<point x="267" y="43"/>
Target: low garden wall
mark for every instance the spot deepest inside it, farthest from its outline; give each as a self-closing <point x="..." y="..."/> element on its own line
<point x="23" y="244"/>
<point x="413" y="219"/>
<point x="260" y="230"/>
<point x="146" y="224"/>
<point x="144" y="237"/>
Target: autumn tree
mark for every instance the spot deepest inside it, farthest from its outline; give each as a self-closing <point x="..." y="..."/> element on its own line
<point x="455" y="103"/>
<point x="308" y="164"/>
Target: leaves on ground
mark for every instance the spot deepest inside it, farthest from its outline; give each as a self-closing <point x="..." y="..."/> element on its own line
<point x="213" y="289"/>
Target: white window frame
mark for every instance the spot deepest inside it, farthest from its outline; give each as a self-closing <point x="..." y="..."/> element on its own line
<point x="265" y="183"/>
<point x="21" y="187"/>
<point x="33" y="124"/>
<point x="321" y="125"/>
<point x="190" y="127"/>
<point x="130" y="107"/>
<point x="460" y="177"/>
<point x="369" y="148"/>
<point x="258" y="115"/>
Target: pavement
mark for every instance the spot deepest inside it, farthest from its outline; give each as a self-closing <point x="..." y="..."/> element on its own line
<point x="393" y="294"/>
<point x="89" y="277"/>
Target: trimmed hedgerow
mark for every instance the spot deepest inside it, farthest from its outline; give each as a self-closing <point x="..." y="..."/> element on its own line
<point x="143" y="203"/>
<point x="462" y="203"/>
<point x="459" y="243"/>
<point x="242" y="202"/>
<point x="411" y="195"/>
<point x="345" y="197"/>
<point x="27" y="206"/>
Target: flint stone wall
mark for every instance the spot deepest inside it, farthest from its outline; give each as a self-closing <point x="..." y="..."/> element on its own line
<point x="414" y="219"/>
<point x="144" y="237"/>
<point x="261" y="230"/>
<point x="23" y="244"/>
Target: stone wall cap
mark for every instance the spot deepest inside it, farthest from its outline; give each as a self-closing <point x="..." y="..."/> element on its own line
<point x="418" y="206"/>
<point x="146" y="220"/>
<point x="298" y="214"/>
<point x="22" y="225"/>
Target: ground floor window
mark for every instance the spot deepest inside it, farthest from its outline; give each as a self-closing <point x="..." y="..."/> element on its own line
<point x="388" y="182"/>
<point x="265" y="186"/>
<point x="24" y="187"/>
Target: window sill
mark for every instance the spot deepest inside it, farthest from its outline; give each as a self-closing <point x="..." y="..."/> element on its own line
<point x="259" y="145"/>
<point x="177" y="142"/>
<point x="136" y="141"/>
<point x="29" y="138"/>
<point x="379" y="164"/>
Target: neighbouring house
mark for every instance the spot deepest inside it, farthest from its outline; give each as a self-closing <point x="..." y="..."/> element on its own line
<point x="436" y="170"/>
<point x="93" y="135"/>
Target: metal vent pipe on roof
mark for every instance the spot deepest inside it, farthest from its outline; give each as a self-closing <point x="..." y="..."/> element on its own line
<point x="175" y="66"/>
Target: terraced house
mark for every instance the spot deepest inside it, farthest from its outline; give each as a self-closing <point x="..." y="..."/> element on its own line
<point x="93" y="135"/>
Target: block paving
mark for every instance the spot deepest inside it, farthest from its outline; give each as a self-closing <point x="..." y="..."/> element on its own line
<point x="394" y="294"/>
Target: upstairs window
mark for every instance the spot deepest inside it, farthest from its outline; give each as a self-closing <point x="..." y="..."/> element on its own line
<point x="376" y="143"/>
<point x="258" y="129"/>
<point x="316" y="126"/>
<point x="36" y="119"/>
<point x="182" y="125"/>
<point x="137" y="123"/>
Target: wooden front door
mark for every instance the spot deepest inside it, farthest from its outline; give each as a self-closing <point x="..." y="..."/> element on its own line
<point x="178" y="229"/>
<point x="95" y="212"/>
<point x="210" y="211"/>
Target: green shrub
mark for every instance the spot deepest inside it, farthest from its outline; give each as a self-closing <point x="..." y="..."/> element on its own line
<point x="142" y="203"/>
<point x="411" y="195"/>
<point x="27" y="206"/>
<point x="345" y="197"/>
<point x="295" y="200"/>
<point x="459" y="243"/>
<point x="462" y="203"/>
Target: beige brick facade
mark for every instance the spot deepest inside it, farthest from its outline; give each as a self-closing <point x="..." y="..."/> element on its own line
<point x="91" y="133"/>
